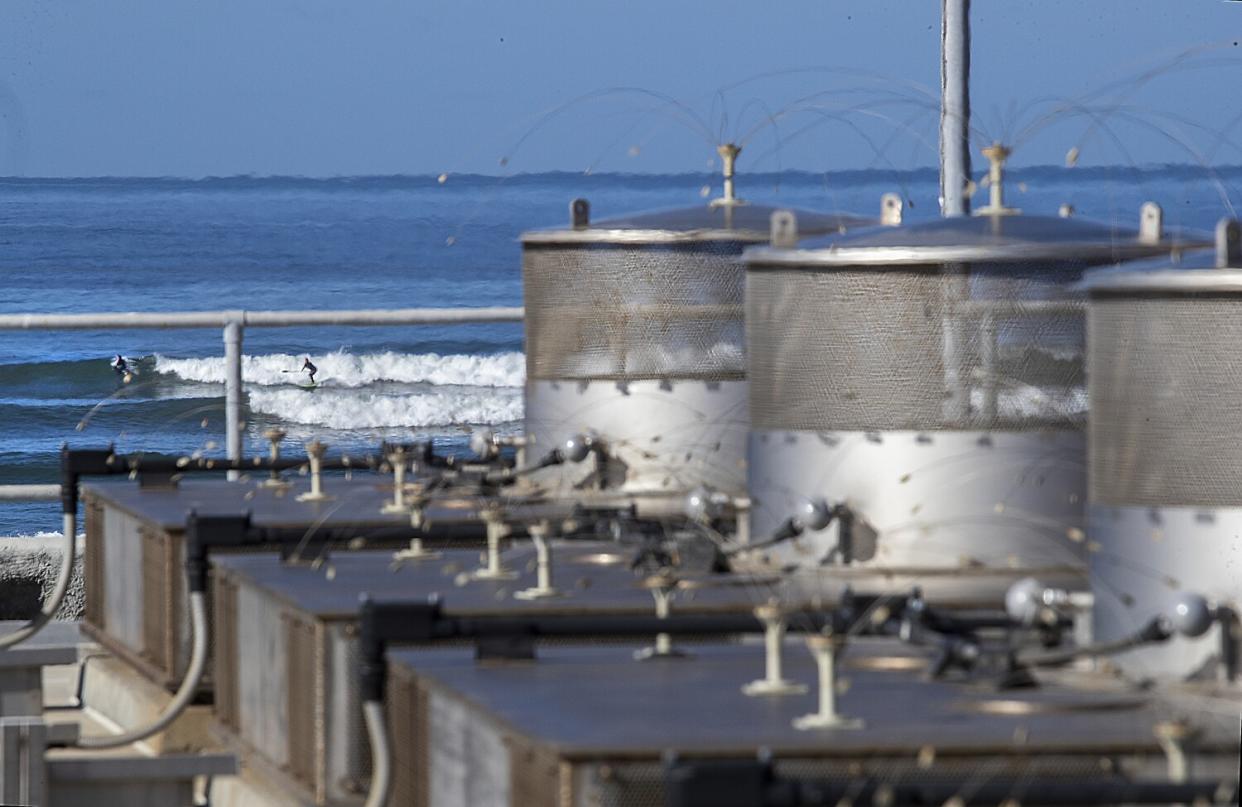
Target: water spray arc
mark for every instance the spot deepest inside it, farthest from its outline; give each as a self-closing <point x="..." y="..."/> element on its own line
<point x="635" y="335"/>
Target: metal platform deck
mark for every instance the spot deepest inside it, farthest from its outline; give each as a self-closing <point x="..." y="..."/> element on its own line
<point x="589" y="725"/>
<point x="286" y="641"/>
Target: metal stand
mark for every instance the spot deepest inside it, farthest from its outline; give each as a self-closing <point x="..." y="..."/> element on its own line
<point x="773" y="683"/>
<point x="315" y="450"/>
<point x="824" y="648"/>
<point x="1174" y="737"/>
<point x="415" y="552"/>
<point x="274" y="436"/>
<point x="662" y="589"/>
<point x="494" y="569"/>
<point x="543" y="587"/>
<point x="741" y="509"/>
<point x="396" y="458"/>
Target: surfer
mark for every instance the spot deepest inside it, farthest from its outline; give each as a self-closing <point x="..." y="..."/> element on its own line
<point x="312" y="369"/>
<point x="121" y="368"/>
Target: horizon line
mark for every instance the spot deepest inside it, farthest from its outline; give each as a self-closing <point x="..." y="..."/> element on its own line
<point x="788" y="173"/>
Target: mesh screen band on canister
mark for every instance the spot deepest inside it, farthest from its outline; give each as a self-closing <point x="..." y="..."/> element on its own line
<point x="925" y="347"/>
<point x="628" y="312"/>
<point x="1165" y="374"/>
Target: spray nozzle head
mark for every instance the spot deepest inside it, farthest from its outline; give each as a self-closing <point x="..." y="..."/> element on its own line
<point x="996" y="155"/>
<point x="728" y="157"/>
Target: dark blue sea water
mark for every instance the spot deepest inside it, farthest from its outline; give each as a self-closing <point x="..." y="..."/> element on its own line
<point x="271" y="243"/>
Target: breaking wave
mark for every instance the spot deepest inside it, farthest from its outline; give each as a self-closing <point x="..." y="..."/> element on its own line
<point x="363" y="410"/>
<point x="342" y="369"/>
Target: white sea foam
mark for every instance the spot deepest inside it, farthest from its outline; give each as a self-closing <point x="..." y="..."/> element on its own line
<point x="39" y="539"/>
<point x="342" y="369"/>
<point x="1024" y="401"/>
<point x="359" y="410"/>
<point x="659" y="360"/>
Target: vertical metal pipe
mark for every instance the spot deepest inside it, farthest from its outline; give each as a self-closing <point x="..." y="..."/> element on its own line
<point x="954" y="177"/>
<point x="233" y="391"/>
<point x="955" y="327"/>
<point x="543" y="567"/>
<point x="728" y="157"/>
<point x="826" y="661"/>
<point x="663" y="599"/>
<point x="773" y="643"/>
<point x="954" y="107"/>
<point x="991" y="373"/>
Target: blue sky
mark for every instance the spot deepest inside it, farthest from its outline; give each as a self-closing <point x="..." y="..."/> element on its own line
<point x="329" y="87"/>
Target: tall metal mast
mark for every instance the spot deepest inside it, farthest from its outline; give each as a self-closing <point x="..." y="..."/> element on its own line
<point x="955" y="108"/>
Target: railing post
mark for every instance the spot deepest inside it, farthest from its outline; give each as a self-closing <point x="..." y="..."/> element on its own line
<point x="233" y="391"/>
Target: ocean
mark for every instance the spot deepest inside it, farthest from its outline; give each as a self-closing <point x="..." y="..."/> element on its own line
<point x="373" y="242"/>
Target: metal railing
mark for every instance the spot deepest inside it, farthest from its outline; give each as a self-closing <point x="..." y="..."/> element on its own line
<point x="29" y="493"/>
<point x="234" y="323"/>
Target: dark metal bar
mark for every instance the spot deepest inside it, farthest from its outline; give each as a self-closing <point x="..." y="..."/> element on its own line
<point x="106" y="462"/>
<point x="205" y="534"/>
<point x="425" y="622"/>
<point x="753" y="783"/>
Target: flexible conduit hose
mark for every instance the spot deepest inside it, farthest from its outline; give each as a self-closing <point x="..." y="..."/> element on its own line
<point x="189" y="684"/>
<point x="381" y="760"/>
<point x="67" y="558"/>
<point x="1158" y="630"/>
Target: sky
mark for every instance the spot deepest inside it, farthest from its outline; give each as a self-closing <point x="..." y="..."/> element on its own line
<point x="320" y="88"/>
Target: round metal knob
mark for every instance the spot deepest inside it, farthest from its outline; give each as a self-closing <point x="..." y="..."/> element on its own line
<point x="1192" y="616"/>
<point x="578" y="447"/>
<point x="814" y="514"/>
<point x="700" y="505"/>
<point x="1024" y="599"/>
